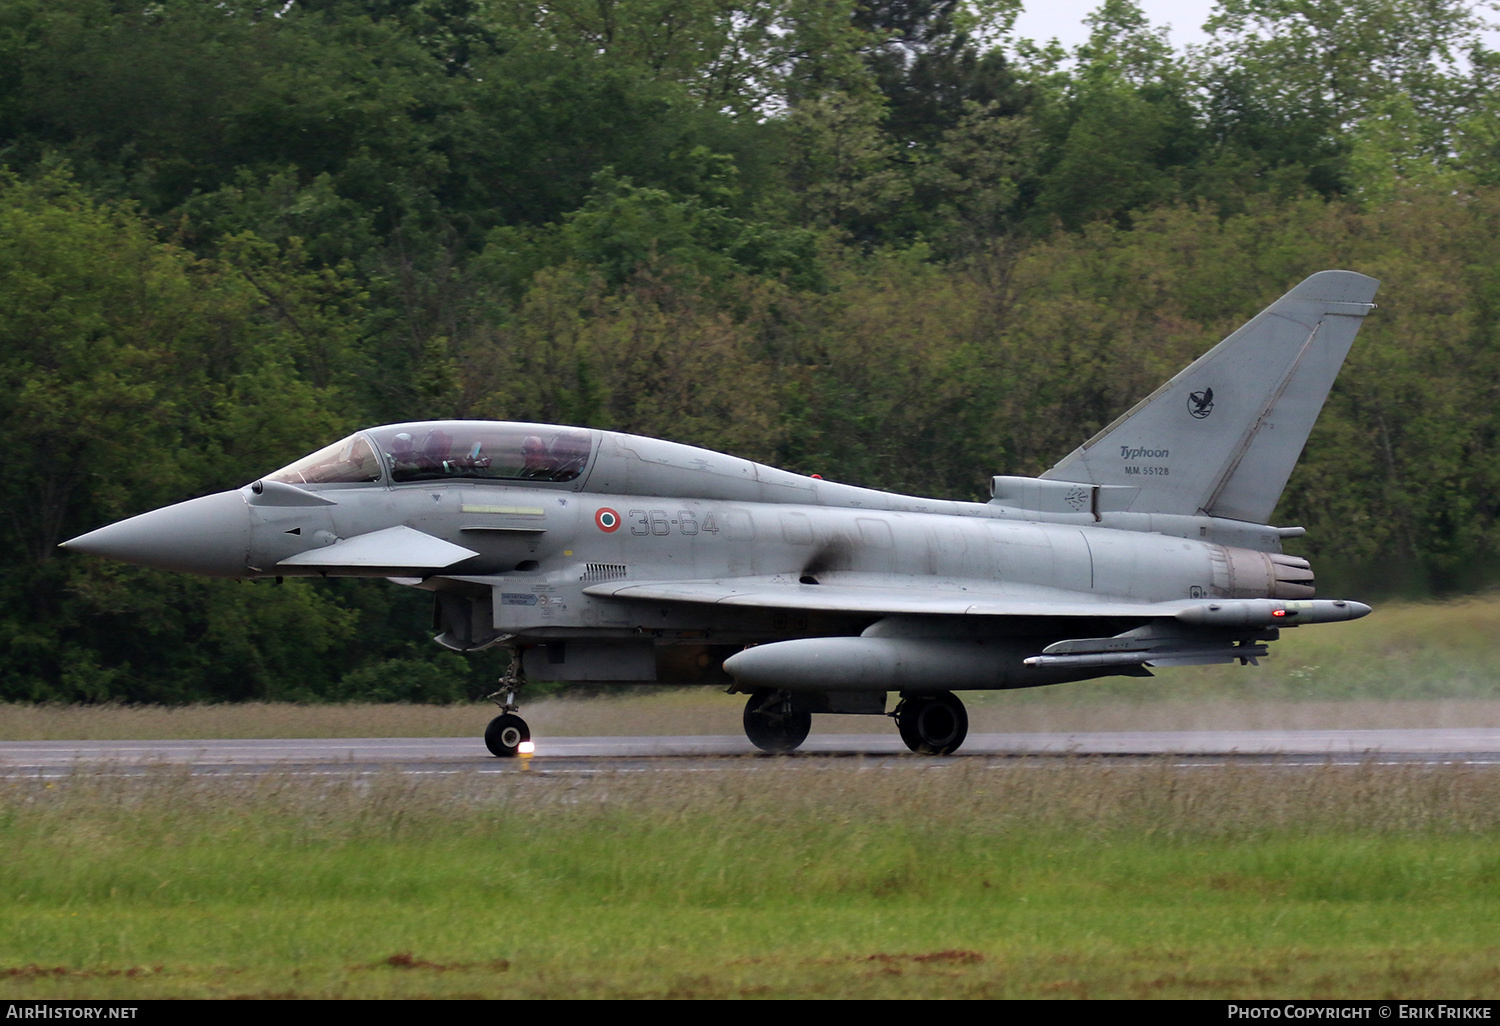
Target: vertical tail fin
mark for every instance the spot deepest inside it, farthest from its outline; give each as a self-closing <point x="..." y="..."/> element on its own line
<point x="1221" y="438"/>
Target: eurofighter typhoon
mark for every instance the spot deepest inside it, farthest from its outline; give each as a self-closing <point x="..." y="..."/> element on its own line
<point x="599" y="556"/>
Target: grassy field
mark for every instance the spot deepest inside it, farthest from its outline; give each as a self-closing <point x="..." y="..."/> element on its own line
<point x="769" y="879"/>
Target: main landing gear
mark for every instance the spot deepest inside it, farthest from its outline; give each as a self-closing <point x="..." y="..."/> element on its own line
<point x="932" y="724"/>
<point x="507" y="733"/>
<point x="772" y="725"/>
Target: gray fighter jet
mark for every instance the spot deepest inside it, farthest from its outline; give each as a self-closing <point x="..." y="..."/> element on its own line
<point x="599" y="556"/>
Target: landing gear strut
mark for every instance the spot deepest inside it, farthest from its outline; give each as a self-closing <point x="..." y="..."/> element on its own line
<point x="772" y="725"/>
<point x="507" y="732"/>
<point x="932" y="724"/>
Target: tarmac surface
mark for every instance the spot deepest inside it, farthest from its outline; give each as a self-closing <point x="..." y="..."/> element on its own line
<point x="1470" y="746"/>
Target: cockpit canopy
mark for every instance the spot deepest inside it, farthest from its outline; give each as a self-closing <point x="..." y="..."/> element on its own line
<point x="439" y="450"/>
<point x="346" y="462"/>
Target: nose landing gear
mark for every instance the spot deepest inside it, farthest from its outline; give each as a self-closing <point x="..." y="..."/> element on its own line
<point x="508" y="732"/>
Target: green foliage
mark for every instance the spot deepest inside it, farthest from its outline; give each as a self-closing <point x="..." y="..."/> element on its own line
<point x="135" y="374"/>
<point x="622" y="228"/>
<point x="1290" y="80"/>
<point x="418" y="680"/>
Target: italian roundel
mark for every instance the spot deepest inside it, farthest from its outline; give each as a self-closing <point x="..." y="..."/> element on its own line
<point x="608" y="520"/>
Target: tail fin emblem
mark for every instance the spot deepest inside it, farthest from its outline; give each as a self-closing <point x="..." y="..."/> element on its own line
<point x="1201" y="404"/>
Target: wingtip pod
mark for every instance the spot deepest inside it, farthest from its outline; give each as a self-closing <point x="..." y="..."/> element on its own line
<point x="1271" y="612"/>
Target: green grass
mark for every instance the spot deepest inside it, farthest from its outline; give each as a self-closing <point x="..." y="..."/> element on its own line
<point x="767" y="879"/>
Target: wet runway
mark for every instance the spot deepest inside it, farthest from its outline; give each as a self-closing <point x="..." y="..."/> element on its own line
<point x="1472" y="746"/>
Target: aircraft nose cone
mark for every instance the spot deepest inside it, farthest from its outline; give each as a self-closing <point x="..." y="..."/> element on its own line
<point x="209" y="536"/>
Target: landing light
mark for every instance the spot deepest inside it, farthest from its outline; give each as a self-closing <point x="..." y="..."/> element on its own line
<point x="526" y="747"/>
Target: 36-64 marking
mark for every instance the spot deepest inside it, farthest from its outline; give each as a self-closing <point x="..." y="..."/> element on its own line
<point x="659" y="523"/>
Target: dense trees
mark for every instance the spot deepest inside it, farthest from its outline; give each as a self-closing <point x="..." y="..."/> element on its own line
<point x="882" y="241"/>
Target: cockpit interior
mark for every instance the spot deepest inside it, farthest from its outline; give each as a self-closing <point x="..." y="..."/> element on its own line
<point x="439" y="450"/>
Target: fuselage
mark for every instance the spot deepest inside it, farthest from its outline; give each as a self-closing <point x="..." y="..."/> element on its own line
<point x="529" y="534"/>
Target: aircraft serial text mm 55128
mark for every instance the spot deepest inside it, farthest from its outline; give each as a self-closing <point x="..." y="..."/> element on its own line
<point x="599" y="556"/>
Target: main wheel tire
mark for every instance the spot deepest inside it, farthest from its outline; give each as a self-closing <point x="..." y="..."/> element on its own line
<point x="773" y="727"/>
<point x="504" y="735"/>
<point x="932" y="725"/>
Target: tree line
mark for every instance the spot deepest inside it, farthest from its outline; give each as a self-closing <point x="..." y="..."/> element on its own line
<point x="887" y="242"/>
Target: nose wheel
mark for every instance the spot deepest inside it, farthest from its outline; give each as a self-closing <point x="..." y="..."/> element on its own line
<point x="505" y="735"/>
<point x="508" y="732"/>
<point x="932" y="724"/>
